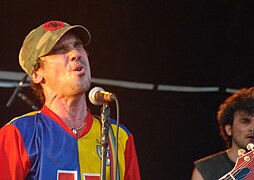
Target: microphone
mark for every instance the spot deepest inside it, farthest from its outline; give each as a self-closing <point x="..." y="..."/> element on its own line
<point x="16" y="91"/>
<point x="98" y="96"/>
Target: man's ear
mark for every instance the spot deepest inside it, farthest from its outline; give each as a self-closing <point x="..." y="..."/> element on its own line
<point x="37" y="77"/>
<point x="228" y="129"/>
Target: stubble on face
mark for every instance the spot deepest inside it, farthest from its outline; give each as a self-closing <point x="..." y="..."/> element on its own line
<point x="69" y="71"/>
<point x="242" y="129"/>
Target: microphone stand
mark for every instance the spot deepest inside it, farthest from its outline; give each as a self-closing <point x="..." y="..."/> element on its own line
<point x="105" y="120"/>
<point x="28" y="101"/>
<point x="17" y="93"/>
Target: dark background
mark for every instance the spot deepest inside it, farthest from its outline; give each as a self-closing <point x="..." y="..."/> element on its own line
<point x="171" y="42"/>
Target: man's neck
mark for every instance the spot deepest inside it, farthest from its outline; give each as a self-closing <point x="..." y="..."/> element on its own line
<point x="232" y="154"/>
<point x="72" y="111"/>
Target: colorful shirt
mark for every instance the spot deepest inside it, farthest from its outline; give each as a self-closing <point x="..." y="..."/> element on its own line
<point x="38" y="145"/>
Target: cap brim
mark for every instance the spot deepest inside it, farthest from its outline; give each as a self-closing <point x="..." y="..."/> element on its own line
<point x="81" y="31"/>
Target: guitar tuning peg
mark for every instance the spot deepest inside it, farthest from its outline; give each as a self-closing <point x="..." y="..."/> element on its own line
<point x="250" y="146"/>
<point x="241" y="152"/>
<point x="246" y="158"/>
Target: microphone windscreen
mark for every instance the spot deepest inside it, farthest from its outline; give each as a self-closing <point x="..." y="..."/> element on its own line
<point x="92" y="95"/>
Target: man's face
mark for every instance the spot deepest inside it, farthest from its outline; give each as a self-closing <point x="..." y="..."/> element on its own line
<point x="241" y="129"/>
<point x="66" y="69"/>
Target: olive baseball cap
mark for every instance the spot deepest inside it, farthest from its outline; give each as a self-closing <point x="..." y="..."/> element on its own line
<point x="42" y="39"/>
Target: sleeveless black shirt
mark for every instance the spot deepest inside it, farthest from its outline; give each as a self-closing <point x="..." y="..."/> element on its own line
<point x="214" y="166"/>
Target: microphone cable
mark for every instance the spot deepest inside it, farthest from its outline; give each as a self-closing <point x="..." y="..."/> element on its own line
<point x="116" y="169"/>
<point x="114" y="144"/>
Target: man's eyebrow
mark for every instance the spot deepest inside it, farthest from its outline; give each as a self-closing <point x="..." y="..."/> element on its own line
<point x="78" y="41"/>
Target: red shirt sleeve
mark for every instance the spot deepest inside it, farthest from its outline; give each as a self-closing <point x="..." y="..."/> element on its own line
<point x="132" y="168"/>
<point x="15" y="163"/>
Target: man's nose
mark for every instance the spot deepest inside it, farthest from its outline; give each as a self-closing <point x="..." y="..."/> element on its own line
<point x="252" y="131"/>
<point x="74" y="54"/>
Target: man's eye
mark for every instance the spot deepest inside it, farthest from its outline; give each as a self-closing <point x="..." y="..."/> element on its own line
<point x="60" y="50"/>
<point x="56" y="51"/>
<point x="244" y="121"/>
<point x="66" y="48"/>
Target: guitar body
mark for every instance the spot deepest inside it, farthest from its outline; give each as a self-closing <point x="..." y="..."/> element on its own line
<point x="243" y="170"/>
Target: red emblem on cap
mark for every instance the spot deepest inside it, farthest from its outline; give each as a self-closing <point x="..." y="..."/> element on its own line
<point x="53" y="25"/>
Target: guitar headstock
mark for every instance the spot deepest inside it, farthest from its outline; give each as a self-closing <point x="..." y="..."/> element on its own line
<point x="247" y="156"/>
<point x="244" y="166"/>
